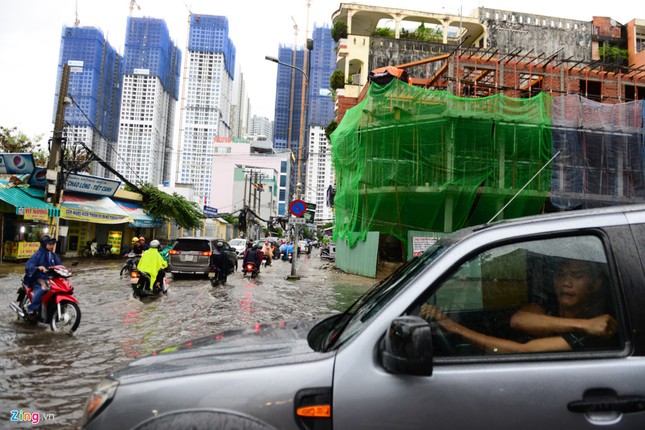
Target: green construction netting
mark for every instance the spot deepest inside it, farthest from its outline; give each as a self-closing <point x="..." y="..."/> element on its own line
<point x="407" y="158"/>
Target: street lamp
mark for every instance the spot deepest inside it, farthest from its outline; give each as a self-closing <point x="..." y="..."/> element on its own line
<point x="305" y="86"/>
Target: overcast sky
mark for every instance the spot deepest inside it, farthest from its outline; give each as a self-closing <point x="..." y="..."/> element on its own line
<point x="30" y="33"/>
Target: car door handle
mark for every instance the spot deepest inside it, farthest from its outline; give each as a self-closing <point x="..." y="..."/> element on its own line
<point x="623" y="404"/>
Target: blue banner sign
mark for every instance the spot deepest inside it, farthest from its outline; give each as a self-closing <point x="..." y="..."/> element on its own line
<point x="210" y="212"/>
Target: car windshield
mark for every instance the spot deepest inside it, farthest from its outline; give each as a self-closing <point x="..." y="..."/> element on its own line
<point x="369" y="304"/>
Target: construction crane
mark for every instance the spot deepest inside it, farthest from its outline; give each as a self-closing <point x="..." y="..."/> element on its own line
<point x="132" y="4"/>
<point x="76" y="21"/>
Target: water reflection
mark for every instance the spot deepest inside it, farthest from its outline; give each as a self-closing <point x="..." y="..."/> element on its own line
<point x="53" y="373"/>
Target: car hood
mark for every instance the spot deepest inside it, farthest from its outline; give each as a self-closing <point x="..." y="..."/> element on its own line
<point x="279" y="343"/>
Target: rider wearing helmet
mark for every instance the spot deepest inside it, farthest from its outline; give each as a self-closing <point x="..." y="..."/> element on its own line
<point x="220" y="260"/>
<point x="153" y="264"/>
<point x="136" y="246"/>
<point x="252" y="255"/>
<point x="36" y="269"/>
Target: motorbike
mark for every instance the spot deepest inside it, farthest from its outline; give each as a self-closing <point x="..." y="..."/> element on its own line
<point x="92" y="249"/>
<point x="325" y="254"/>
<point x="59" y="307"/>
<point x="250" y="268"/>
<point x="140" y="282"/>
<point x="215" y="275"/>
<point x="130" y="264"/>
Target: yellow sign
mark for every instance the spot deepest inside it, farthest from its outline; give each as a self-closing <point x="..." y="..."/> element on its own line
<point x="20" y="250"/>
<point x="35" y="214"/>
<point x="114" y="240"/>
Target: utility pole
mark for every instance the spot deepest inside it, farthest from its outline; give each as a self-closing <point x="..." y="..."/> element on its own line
<point x="55" y="174"/>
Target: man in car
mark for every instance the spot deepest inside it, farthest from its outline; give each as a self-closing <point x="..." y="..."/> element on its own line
<point x="578" y="320"/>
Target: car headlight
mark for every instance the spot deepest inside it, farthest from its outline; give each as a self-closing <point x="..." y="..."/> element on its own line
<point x="99" y="398"/>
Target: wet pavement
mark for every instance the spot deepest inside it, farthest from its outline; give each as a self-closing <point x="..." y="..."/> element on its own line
<point x="52" y="374"/>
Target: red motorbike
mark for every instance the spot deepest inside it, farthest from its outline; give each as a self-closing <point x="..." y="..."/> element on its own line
<point x="59" y="307"/>
<point x="250" y="268"/>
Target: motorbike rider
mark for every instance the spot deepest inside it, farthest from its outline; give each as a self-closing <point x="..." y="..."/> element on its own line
<point x="136" y="246"/>
<point x="267" y="250"/>
<point x="251" y="255"/>
<point x="36" y="272"/>
<point x="220" y="260"/>
<point x="153" y="264"/>
<point x="144" y="245"/>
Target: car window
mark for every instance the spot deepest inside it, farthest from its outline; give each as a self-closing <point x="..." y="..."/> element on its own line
<point x="551" y="295"/>
<point x="200" y="245"/>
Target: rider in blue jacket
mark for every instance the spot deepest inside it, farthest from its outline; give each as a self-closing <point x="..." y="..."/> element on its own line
<point x="36" y="272"/>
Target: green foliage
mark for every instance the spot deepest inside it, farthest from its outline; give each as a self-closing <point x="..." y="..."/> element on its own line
<point x="330" y="129"/>
<point x="383" y="32"/>
<point x="611" y="53"/>
<point x="337" y="79"/>
<point x="423" y="34"/>
<point x="14" y="141"/>
<point x="175" y="208"/>
<point x="339" y="31"/>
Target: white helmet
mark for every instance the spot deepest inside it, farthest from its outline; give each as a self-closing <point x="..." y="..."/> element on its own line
<point x="154" y="243"/>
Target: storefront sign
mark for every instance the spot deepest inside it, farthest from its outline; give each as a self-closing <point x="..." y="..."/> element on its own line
<point x="34" y="214"/>
<point x="16" y="163"/>
<point x="95" y="217"/>
<point x="20" y="250"/>
<point x="91" y="185"/>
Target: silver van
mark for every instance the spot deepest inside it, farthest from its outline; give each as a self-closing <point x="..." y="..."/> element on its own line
<point x="191" y="255"/>
<point x="534" y="323"/>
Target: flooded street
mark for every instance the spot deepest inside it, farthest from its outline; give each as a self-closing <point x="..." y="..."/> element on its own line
<point x="52" y="374"/>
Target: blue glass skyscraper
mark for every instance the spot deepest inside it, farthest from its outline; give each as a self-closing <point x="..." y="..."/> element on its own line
<point x="92" y="117"/>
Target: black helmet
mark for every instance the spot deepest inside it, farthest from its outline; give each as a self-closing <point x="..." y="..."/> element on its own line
<point x="46" y="239"/>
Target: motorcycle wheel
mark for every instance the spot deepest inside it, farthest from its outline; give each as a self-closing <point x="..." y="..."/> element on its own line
<point x="125" y="269"/>
<point x="69" y="318"/>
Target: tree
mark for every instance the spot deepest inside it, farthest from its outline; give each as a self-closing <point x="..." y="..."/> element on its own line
<point x="339" y="31"/>
<point x="333" y="125"/>
<point x="176" y="208"/>
<point x="337" y="79"/>
<point x="14" y="141"/>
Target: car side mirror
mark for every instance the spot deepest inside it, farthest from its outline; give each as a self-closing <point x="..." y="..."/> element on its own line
<point x="407" y="347"/>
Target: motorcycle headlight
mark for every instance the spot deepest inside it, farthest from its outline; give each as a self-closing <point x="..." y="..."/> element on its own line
<point x="99" y="399"/>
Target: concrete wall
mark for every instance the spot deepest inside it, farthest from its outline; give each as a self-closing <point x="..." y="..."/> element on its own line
<point x="543" y="35"/>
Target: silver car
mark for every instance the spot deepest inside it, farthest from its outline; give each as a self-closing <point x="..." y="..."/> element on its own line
<point x="496" y="326"/>
<point x="191" y="255"/>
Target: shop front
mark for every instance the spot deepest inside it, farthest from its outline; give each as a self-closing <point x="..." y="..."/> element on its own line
<point x="23" y="220"/>
<point x="93" y="218"/>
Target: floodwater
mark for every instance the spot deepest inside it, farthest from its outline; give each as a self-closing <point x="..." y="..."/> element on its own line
<point x="52" y="374"/>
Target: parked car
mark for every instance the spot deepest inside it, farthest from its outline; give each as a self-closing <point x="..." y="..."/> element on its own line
<point x="191" y="255"/>
<point x="239" y="245"/>
<point x="381" y="365"/>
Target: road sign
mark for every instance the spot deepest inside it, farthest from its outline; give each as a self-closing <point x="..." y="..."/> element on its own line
<point x="297" y="207"/>
<point x="297" y="221"/>
<point x="210" y="212"/>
